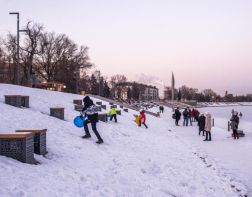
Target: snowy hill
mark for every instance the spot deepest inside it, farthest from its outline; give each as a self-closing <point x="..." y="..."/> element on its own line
<point x="133" y="161"/>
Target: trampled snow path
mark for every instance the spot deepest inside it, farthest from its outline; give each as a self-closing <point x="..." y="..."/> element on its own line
<point x="232" y="156"/>
<point x="133" y="161"/>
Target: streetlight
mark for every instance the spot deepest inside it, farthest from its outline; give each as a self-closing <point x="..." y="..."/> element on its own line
<point x="18" y="30"/>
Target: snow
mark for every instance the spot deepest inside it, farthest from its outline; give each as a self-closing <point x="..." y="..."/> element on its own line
<point x="163" y="160"/>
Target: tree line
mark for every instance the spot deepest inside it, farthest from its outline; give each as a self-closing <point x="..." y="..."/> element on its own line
<point x="207" y="95"/>
<point x="51" y="57"/>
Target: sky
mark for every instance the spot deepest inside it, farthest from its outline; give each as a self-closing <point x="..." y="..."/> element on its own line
<point x="206" y="43"/>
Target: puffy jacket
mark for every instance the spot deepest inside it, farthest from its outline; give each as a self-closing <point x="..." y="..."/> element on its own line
<point x="90" y="110"/>
<point x="201" y="122"/>
<point x="142" y="117"/>
<point x="208" y="125"/>
<point x="234" y="122"/>
<point x="112" y="111"/>
<point x="177" y="114"/>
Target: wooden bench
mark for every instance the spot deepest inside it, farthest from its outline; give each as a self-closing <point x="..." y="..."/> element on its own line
<point x="17" y="100"/>
<point x="151" y="113"/>
<point x="126" y="110"/>
<point x="77" y="102"/>
<point x="103" y="117"/>
<point x="57" y="112"/>
<point x="39" y="140"/>
<point x="98" y="103"/>
<point x="103" y="106"/>
<point x="78" y="107"/>
<point x="111" y="103"/>
<point x="119" y="112"/>
<point x="18" y="146"/>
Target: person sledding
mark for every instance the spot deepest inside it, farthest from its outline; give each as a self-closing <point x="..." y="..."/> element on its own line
<point x="90" y="111"/>
<point x="142" y="119"/>
<point x="112" y="113"/>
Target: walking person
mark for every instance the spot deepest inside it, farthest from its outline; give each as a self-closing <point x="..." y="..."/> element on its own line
<point x="177" y="116"/>
<point x="240" y="114"/>
<point x="113" y="114"/>
<point x="234" y="125"/>
<point x="142" y="118"/>
<point x="201" y="124"/>
<point x="161" y="109"/>
<point x="91" y="112"/>
<point x="185" y="116"/>
<point x="208" y="126"/>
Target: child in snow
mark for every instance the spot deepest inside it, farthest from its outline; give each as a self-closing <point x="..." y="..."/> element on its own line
<point x="112" y="113"/>
<point x="201" y="124"/>
<point x="142" y="119"/>
<point x="91" y="111"/>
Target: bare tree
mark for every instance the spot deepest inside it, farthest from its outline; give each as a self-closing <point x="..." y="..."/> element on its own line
<point x="117" y="90"/>
<point x="30" y="48"/>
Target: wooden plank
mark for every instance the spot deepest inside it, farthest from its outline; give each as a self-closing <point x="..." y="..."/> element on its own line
<point x="16" y="135"/>
<point x="32" y="131"/>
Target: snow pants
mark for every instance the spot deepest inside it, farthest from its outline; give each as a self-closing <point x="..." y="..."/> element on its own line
<point x="235" y="134"/>
<point x="93" y="125"/>
<point x="113" y="116"/>
<point x="143" y="124"/>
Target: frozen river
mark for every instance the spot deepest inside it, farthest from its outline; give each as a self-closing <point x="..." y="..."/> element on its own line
<point x="225" y="112"/>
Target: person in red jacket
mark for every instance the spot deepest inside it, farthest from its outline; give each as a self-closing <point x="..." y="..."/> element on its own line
<point x="142" y="119"/>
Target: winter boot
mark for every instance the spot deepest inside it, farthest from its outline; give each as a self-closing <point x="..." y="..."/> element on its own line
<point x="86" y="136"/>
<point x="100" y="141"/>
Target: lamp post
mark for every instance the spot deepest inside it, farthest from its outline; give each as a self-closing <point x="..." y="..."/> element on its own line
<point x="17" y="77"/>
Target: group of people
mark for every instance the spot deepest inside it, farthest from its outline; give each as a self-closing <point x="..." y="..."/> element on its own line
<point x="188" y="116"/>
<point x="204" y="120"/>
<point x="90" y="111"/>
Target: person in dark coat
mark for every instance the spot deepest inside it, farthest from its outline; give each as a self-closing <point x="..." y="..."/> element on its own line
<point x="177" y="116"/>
<point x="91" y="111"/>
<point x="161" y="109"/>
<point x="197" y="115"/>
<point x="185" y="116"/>
<point x="234" y="124"/>
<point x="201" y="124"/>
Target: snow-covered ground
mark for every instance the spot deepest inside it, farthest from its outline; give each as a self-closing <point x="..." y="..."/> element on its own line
<point x="163" y="160"/>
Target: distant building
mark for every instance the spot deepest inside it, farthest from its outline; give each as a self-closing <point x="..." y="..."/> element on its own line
<point x="137" y="91"/>
<point x="167" y="93"/>
<point x="54" y="86"/>
<point x="149" y="93"/>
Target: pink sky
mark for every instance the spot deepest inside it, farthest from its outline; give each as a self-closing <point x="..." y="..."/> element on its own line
<point x="207" y="44"/>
